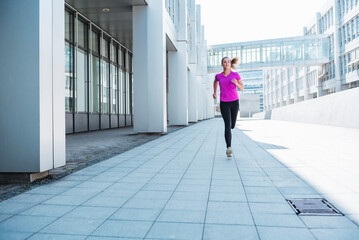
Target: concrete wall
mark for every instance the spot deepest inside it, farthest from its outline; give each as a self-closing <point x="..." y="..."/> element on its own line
<point x="339" y="109"/>
<point x="249" y="104"/>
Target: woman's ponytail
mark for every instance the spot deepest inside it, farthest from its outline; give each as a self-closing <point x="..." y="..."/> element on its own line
<point x="234" y="61"/>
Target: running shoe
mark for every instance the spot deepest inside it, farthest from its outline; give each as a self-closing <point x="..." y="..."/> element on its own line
<point x="229" y="152"/>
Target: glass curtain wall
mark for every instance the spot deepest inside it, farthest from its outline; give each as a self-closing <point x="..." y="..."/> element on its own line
<point x="114" y="79"/>
<point x="105" y="74"/>
<point x="98" y="69"/>
<point x="95" y="81"/>
<point x="82" y="80"/>
<point x="69" y="60"/>
<point x="123" y="81"/>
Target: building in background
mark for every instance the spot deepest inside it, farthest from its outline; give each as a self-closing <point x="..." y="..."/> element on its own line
<point x="72" y="66"/>
<point x="253" y="85"/>
<point x="339" y="21"/>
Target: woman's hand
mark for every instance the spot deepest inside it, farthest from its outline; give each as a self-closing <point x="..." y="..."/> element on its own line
<point x="214" y="96"/>
<point x="238" y="83"/>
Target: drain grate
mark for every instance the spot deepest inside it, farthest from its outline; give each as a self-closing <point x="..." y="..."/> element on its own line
<point x="314" y="206"/>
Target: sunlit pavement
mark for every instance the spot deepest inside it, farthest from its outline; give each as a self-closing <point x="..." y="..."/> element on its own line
<point x="182" y="186"/>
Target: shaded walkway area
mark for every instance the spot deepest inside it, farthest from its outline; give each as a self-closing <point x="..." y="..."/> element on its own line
<point x="179" y="186"/>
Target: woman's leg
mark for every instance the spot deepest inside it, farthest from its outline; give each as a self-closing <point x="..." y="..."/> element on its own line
<point x="234" y="113"/>
<point x="226" y="115"/>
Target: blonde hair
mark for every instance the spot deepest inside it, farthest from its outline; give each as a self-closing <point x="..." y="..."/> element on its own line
<point x="233" y="62"/>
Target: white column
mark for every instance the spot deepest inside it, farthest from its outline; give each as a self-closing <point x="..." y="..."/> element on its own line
<point x="295" y="87"/>
<point x="287" y="79"/>
<point x="336" y="11"/>
<point x="177" y="73"/>
<point x="192" y="94"/>
<point x="305" y="84"/>
<point x="32" y="126"/>
<point x="178" y="86"/>
<point x="149" y="67"/>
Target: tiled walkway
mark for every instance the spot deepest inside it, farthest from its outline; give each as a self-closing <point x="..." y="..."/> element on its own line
<point x="180" y="186"/>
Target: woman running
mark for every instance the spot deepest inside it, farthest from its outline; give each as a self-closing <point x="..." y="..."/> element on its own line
<point x="228" y="83"/>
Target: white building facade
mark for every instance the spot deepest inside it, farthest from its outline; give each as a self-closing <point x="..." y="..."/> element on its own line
<point x="139" y="63"/>
<point x="339" y="20"/>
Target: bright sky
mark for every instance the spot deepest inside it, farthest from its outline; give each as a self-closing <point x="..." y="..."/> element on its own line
<point x="229" y="21"/>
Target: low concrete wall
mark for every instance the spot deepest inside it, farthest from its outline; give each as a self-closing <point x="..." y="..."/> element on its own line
<point x="339" y="109"/>
<point x="263" y="115"/>
<point x="249" y="104"/>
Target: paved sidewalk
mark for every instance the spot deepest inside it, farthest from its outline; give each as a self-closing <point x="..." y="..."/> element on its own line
<point x="179" y="186"/>
<point x="85" y="149"/>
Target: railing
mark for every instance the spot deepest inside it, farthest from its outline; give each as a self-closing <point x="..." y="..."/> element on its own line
<point x="284" y="52"/>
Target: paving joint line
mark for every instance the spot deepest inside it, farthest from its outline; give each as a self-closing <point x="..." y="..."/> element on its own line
<point x="143" y="185"/>
<point x="177" y="185"/>
<point x="210" y="184"/>
<point x="77" y="206"/>
<point x="255" y="159"/>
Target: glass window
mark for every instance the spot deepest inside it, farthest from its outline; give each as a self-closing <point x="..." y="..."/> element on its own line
<point x="123" y="88"/>
<point x="69" y="24"/>
<point x="82" y="81"/>
<point x="95" y="84"/>
<point x="128" y="104"/>
<point x="82" y="34"/>
<point x="114" y="89"/>
<point x="104" y="48"/>
<point x="120" y="92"/>
<point x="113" y="54"/>
<point x="348" y="32"/>
<point x="69" y="76"/>
<point x="352" y="29"/>
<point x="123" y="56"/>
<point x="130" y="63"/>
<point x="105" y="90"/>
<point x="344" y="35"/>
<point x="95" y="42"/>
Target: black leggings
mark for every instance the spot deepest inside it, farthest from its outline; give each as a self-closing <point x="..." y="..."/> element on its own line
<point x="229" y="111"/>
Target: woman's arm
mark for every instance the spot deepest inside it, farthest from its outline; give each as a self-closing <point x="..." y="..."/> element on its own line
<point x="238" y="83"/>
<point x="215" y="86"/>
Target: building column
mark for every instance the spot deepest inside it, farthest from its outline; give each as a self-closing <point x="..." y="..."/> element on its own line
<point x="295" y="88"/>
<point x="287" y="79"/>
<point x="305" y="84"/>
<point x="177" y="73"/>
<point x="178" y="85"/>
<point x="336" y="11"/>
<point x="199" y="99"/>
<point x="32" y="126"/>
<point x="192" y="95"/>
<point x="149" y="68"/>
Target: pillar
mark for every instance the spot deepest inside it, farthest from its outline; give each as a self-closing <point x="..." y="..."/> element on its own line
<point x="149" y="68"/>
<point x="178" y="73"/>
<point x="178" y="86"/>
<point x="192" y="94"/>
<point x="32" y="124"/>
<point x="336" y="11"/>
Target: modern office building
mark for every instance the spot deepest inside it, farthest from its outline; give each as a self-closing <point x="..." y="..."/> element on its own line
<point x="253" y="84"/>
<point x="71" y="66"/>
<point x="338" y="20"/>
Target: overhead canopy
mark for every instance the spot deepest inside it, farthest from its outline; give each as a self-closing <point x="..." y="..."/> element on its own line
<point x="117" y="21"/>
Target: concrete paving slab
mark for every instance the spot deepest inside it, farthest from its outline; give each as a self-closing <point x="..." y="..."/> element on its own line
<point x="182" y="186"/>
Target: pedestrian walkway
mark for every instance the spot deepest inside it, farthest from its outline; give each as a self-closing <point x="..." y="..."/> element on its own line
<point x="179" y="186"/>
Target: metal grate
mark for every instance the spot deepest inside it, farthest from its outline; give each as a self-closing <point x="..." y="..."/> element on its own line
<point x="314" y="207"/>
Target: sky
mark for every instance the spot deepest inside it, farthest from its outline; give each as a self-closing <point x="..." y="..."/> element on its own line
<point x="228" y="21"/>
